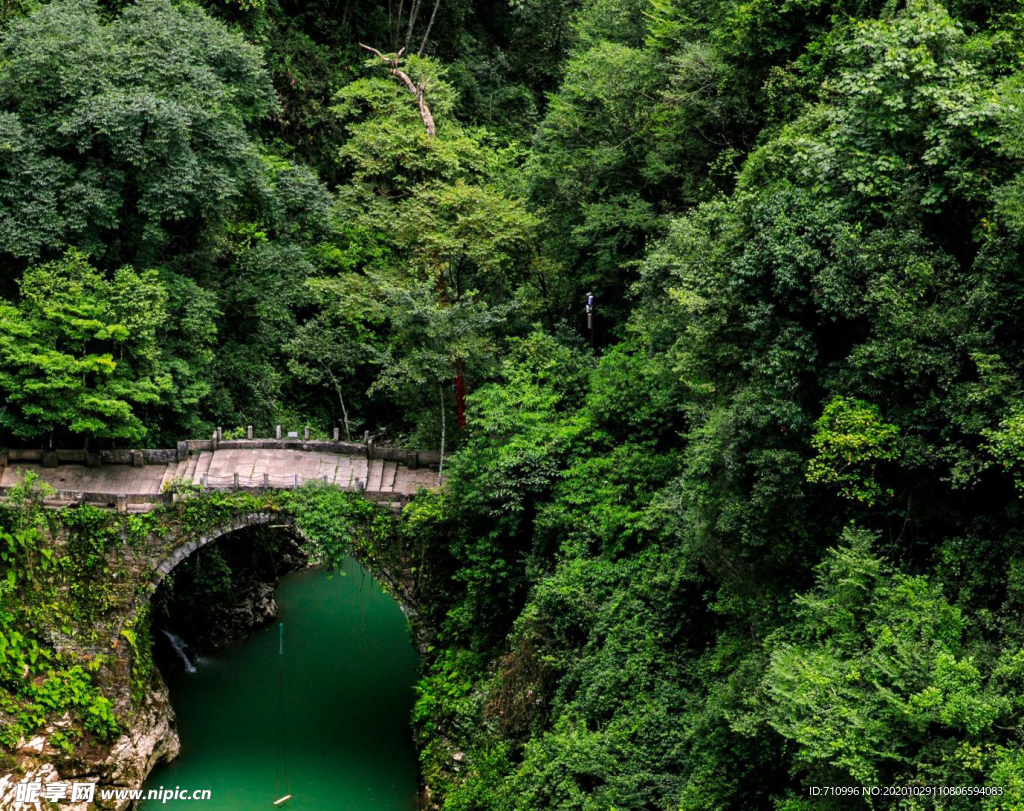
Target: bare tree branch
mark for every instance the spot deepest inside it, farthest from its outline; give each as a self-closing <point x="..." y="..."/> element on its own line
<point x="418" y="90"/>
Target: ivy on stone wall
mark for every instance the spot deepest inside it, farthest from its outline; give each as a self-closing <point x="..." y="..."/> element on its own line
<point x="75" y="585"/>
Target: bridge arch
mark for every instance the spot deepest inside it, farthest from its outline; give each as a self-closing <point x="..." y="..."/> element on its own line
<point x="175" y="547"/>
<point x="182" y="547"/>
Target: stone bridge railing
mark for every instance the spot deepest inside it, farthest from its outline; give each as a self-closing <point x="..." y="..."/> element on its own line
<point x="123" y="502"/>
<point x="138" y="458"/>
<point x="168" y="457"/>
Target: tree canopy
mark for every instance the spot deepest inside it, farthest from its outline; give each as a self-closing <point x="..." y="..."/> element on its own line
<point x="757" y="530"/>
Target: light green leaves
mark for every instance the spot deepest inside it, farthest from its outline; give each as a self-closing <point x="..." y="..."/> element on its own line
<point x="78" y="353"/>
<point x="874" y="668"/>
<point x="910" y="105"/>
<point x="850" y="441"/>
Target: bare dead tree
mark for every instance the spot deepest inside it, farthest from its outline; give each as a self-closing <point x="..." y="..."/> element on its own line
<point x="418" y="90"/>
<point x="402" y="29"/>
<point x="414" y="12"/>
<point x="430" y="24"/>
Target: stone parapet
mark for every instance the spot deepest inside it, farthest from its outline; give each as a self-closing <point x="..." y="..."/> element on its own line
<point x="166" y="456"/>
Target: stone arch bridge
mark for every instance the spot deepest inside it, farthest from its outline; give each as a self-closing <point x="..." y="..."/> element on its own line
<point x="138" y="480"/>
<point x="390" y="566"/>
<point x="145" y="549"/>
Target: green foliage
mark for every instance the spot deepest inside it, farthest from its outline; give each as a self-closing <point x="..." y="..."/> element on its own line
<point x="59" y="344"/>
<point x="440" y="233"/>
<point x="763" y="533"/>
<point x="138" y="634"/>
<point x="41" y="591"/>
<point x="594" y="137"/>
<point x="73" y="689"/>
<point x="335" y="524"/>
<point x="129" y="129"/>
<point x="1007" y="445"/>
<point x="910" y="96"/>
<point x="331" y="346"/>
<point x="849" y="441"/>
<point x="861" y="628"/>
<point x="388" y="147"/>
<point x="650" y="533"/>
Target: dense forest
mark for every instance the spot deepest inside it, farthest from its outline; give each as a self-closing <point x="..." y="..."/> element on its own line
<point x="759" y="529"/>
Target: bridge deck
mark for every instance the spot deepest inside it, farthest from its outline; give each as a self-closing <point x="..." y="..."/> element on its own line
<point x="277" y="468"/>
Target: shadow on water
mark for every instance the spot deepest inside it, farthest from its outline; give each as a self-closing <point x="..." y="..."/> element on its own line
<point x="349" y="676"/>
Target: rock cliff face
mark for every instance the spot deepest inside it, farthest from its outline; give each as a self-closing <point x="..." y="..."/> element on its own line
<point x="254" y="608"/>
<point x="150" y="737"/>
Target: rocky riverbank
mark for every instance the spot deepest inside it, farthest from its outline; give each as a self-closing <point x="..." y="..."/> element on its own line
<point x="149" y="738"/>
<point x="149" y="734"/>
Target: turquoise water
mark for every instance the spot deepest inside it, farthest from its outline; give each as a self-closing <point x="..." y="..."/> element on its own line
<point x="348" y="683"/>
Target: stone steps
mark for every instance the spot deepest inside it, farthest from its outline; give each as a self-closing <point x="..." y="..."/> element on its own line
<point x="190" y="466"/>
<point x="375" y="474"/>
<point x="169" y="475"/>
<point x="202" y="467"/>
<point x="175" y="470"/>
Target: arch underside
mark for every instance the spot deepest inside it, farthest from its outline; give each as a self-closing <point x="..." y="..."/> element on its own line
<point x="183" y="548"/>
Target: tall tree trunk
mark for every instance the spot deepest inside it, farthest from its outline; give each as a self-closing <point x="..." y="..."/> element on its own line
<point x="344" y="411"/>
<point x="430" y="24"/>
<point x="396" y="22"/>
<point x="414" y="11"/>
<point x="346" y="15"/>
<point x="460" y="397"/>
<point x="440" y="466"/>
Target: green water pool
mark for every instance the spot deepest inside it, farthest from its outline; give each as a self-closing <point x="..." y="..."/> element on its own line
<point x="348" y="685"/>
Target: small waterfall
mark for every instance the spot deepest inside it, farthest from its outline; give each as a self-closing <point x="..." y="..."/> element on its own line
<point x="181" y="648"/>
